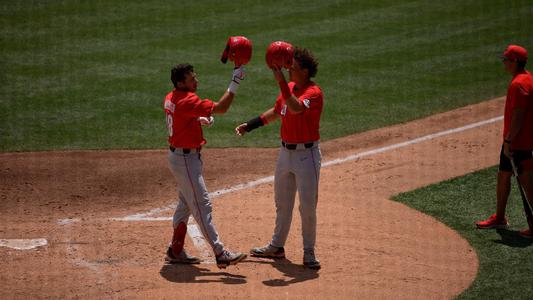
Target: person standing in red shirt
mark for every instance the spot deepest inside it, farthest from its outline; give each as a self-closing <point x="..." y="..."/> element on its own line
<point x="185" y="113"/>
<point x="299" y="107"/>
<point x="517" y="137"/>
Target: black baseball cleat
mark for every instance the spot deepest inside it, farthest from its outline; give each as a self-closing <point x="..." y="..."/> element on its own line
<point x="314" y="265"/>
<point x="227" y="258"/>
<point x="182" y="258"/>
<point x="310" y="260"/>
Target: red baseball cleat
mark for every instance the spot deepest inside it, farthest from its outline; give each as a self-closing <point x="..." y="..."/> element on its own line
<point x="492" y="222"/>
<point x="526" y="233"/>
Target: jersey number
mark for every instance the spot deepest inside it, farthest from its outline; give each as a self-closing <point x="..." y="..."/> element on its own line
<point x="169" y="124"/>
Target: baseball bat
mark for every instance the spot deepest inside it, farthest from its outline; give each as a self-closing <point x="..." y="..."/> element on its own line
<point x="527" y="206"/>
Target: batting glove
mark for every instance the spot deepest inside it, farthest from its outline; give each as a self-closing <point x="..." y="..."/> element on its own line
<point x="237" y="76"/>
<point x="207" y="121"/>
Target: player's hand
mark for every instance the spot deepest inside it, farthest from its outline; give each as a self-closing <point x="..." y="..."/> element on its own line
<point x="278" y="74"/>
<point x="507" y="150"/>
<point x="238" y="74"/>
<point x="206" y="121"/>
<point x="241" y="129"/>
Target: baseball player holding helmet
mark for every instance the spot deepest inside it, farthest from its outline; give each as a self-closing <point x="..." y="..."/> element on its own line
<point x="185" y="113"/>
<point x="299" y="107"/>
<point x="517" y="148"/>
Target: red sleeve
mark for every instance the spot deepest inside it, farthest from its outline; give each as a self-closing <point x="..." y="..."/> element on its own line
<point x="311" y="99"/>
<point x="278" y="106"/>
<point x="167" y="103"/>
<point x="521" y="95"/>
<point x="193" y="106"/>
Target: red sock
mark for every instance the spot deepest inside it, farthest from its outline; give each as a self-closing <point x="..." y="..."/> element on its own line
<point x="178" y="238"/>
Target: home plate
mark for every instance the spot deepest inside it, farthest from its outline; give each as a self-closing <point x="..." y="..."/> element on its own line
<point x="23" y="244"/>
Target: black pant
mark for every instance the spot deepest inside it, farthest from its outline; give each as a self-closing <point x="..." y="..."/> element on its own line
<point x="518" y="156"/>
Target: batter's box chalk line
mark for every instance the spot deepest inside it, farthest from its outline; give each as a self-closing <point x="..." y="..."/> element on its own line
<point x="68" y="221"/>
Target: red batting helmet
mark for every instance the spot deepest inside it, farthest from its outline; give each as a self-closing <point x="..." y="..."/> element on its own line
<point x="279" y="54"/>
<point x="238" y="49"/>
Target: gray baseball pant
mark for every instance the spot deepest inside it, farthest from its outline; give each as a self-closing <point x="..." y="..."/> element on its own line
<point x="296" y="170"/>
<point x="193" y="195"/>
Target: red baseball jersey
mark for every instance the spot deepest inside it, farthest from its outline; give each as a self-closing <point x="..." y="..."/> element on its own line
<point x="301" y="127"/>
<point x="182" y="110"/>
<point x="520" y="94"/>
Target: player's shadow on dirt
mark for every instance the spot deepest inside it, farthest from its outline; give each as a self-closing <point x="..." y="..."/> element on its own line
<point x="513" y="239"/>
<point x="295" y="273"/>
<point x="197" y="274"/>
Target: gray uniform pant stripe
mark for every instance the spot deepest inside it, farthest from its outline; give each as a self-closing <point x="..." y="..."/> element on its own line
<point x="193" y="196"/>
<point x="296" y="170"/>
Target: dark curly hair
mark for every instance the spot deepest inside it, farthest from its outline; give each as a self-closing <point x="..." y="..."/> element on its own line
<point x="306" y="60"/>
<point x="178" y="73"/>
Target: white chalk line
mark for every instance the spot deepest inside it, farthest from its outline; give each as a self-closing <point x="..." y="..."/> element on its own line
<point x="68" y="221"/>
<point x="199" y="241"/>
<point x="410" y="142"/>
<point x="198" y="238"/>
<point x="147" y="215"/>
<point x="73" y="250"/>
<point x="29" y="244"/>
<point x="23" y="244"/>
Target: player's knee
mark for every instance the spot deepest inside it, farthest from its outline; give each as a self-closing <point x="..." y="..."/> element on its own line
<point x="307" y="208"/>
<point x="283" y="207"/>
<point x="308" y="216"/>
<point x="504" y="175"/>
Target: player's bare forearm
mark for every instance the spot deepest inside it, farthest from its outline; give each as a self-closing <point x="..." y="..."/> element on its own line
<point x="270" y="115"/>
<point x="224" y="103"/>
<point x="517" y="120"/>
<point x="294" y="105"/>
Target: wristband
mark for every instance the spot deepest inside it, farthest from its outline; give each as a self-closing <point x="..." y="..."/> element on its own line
<point x="233" y="86"/>
<point x="254" y="123"/>
<point x="264" y="119"/>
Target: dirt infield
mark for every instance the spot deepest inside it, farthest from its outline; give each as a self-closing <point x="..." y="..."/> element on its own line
<point x="369" y="246"/>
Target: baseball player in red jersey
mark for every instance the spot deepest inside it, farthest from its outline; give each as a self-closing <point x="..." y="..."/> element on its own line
<point x="299" y="107"/>
<point x="517" y="137"/>
<point x="185" y="113"/>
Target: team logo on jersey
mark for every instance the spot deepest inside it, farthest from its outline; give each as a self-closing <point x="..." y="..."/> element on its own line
<point x="307" y="103"/>
<point x="170" y="106"/>
<point x="284" y="110"/>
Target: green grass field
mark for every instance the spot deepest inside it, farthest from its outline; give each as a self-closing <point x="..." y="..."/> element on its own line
<point x="92" y="74"/>
<point x="506" y="268"/>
